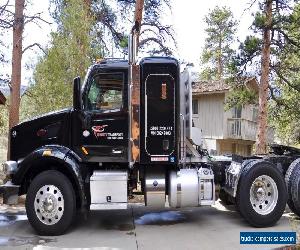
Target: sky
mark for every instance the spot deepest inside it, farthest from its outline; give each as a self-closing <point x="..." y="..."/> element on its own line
<point x="33" y="33"/>
<point x="186" y="16"/>
<point x="188" y="20"/>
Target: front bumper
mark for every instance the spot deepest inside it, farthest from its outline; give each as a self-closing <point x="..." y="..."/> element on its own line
<point x="10" y="193"/>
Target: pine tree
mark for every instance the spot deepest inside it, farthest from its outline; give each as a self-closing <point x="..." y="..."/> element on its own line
<point x="18" y="28"/>
<point x="262" y="51"/>
<point x="217" y="54"/>
<point x="285" y="103"/>
<point x="261" y="140"/>
<point x="68" y="56"/>
<point x="113" y="23"/>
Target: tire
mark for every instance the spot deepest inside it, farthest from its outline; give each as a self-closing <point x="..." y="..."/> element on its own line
<point x="245" y="166"/>
<point x="295" y="190"/>
<point x="289" y="175"/>
<point x="50" y="203"/>
<point x="224" y="197"/>
<point x="266" y="204"/>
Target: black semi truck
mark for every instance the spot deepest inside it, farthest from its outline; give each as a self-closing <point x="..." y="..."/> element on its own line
<point x="131" y="124"/>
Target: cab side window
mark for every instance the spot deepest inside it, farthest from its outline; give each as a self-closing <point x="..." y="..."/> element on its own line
<point x="105" y="93"/>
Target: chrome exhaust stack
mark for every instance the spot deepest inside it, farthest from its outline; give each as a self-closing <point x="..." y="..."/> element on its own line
<point x="133" y="98"/>
<point x="132" y="45"/>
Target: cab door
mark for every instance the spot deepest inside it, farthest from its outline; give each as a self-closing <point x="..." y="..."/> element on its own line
<point x="102" y="125"/>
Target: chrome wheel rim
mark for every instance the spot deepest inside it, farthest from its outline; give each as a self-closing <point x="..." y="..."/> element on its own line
<point x="263" y="194"/>
<point x="49" y="204"/>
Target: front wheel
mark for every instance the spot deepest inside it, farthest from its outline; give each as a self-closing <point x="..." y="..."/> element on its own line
<point x="261" y="196"/>
<point x="50" y="203"/>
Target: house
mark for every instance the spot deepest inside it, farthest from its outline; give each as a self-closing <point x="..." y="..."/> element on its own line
<point x="224" y="132"/>
<point x="2" y="99"/>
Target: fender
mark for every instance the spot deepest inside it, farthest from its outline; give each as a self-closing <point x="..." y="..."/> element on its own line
<point x="65" y="158"/>
<point x="233" y="174"/>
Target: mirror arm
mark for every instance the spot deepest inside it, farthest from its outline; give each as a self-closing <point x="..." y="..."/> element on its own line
<point x="76" y="94"/>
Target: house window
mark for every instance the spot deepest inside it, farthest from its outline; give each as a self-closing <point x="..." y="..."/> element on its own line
<point x="237" y="112"/>
<point x="195" y="106"/>
<point x="255" y="114"/>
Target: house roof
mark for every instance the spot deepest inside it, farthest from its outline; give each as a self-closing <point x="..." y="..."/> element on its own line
<point x="220" y="86"/>
<point x="210" y="86"/>
<point x="2" y="99"/>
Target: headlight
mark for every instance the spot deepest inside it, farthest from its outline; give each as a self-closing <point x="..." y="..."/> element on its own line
<point x="9" y="167"/>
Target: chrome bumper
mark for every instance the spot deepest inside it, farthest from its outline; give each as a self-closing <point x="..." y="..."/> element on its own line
<point x="9" y="191"/>
<point x="9" y="167"/>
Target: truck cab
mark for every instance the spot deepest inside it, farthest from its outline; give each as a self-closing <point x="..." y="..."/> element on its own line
<point x="100" y="126"/>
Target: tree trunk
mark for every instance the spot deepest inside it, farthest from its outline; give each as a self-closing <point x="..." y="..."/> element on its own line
<point x="261" y="140"/>
<point x="88" y="4"/>
<point x="138" y="16"/>
<point x="16" y="63"/>
<point x="220" y="66"/>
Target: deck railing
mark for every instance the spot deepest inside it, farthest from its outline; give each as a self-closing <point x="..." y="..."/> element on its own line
<point x="239" y="128"/>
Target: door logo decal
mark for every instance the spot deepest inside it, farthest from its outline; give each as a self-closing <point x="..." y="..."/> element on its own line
<point x="98" y="130"/>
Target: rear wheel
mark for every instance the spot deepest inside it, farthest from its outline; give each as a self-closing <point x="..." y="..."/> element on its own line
<point x="289" y="179"/>
<point x="261" y="196"/>
<point x="50" y="203"/>
<point x="295" y="190"/>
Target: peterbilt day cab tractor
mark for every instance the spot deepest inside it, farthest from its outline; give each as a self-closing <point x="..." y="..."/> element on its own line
<point x="131" y="124"/>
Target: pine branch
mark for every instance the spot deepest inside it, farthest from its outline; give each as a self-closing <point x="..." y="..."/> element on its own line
<point x="5" y="23"/>
<point x="250" y="6"/>
<point x="36" y="16"/>
<point x="276" y="99"/>
<point x="33" y="45"/>
<point x="291" y="41"/>
<point x="280" y="75"/>
<point x="158" y="42"/>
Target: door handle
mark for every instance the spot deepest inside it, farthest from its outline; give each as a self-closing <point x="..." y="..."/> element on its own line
<point x="117" y="151"/>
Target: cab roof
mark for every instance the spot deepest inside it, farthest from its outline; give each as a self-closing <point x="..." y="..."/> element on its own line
<point x="122" y="63"/>
<point x="112" y="62"/>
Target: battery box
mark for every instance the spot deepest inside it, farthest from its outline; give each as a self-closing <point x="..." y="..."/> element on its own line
<point x="108" y="190"/>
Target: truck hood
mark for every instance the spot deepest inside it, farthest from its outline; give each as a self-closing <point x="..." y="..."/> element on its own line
<point x="45" y="116"/>
<point x="50" y="128"/>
